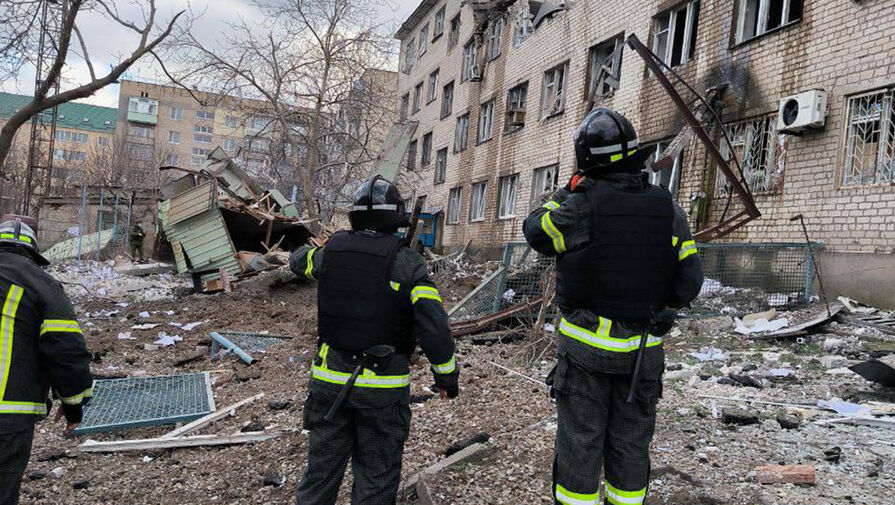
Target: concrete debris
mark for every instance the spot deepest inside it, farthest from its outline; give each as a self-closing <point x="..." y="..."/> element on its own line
<point x="94" y="279"/>
<point x="856" y="307"/>
<point x="738" y="416"/>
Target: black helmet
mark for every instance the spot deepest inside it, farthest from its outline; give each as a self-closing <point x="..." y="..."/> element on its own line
<point x="606" y="138"/>
<point x="377" y="206"/>
<point x="18" y="234"/>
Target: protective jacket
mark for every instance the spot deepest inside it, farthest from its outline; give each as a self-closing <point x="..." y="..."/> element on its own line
<point x="41" y="345"/>
<point x="624" y="253"/>
<point x="373" y="290"/>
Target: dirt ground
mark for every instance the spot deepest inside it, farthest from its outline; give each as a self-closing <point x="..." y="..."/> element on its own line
<point x="696" y="456"/>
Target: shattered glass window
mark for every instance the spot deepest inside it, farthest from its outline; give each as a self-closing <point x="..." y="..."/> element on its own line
<point x="761" y="152"/>
<point x="870" y="139"/>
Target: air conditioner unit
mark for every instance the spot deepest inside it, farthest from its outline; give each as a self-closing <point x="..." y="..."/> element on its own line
<point x="517" y="117"/>
<point x="475" y="74"/>
<point x="802" y="111"/>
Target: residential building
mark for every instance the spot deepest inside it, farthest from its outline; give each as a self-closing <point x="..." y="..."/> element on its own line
<point x="750" y="54"/>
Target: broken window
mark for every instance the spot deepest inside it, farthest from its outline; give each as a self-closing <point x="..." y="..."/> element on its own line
<point x="470" y="70"/>
<point x="516" y="107"/>
<point x="417" y="97"/>
<point x="507" y="196"/>
<point x="486" y="120"/>
<point x="405" y="104"/>
<point x="454" y="35"/>
<point x="447" y="99"/>
<point x="433" y="86"/>
<point x="477" y="203"/>
<point x="461" y="134"/>
<point x="409" y="56"/>
<point x="453" y="210"/>
<point x="553" y="93"/>
<point x="438" y="24"/>
<point x="202" y="133"/>
<point x="440" y="165"/>
<point x="494" y="33"/>
<point x="674" y="34"/>
<point x="604" y="65"/>
<point x="411" y="156"/>
<point x="761" y="151"/>
<point x="522" y="29"/>
<point x="426" y="155"/>
<point x="757" y="17"/>
<point x="424" y="39"/>
<point x="543" y="182"/>
<point x="670" y="177"/>
<point x="870" y="139"/>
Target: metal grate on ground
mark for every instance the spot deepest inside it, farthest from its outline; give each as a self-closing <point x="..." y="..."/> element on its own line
<point x="481" y="301"/>
<point x="249" y="342"/>
<point x="135" y="402"/>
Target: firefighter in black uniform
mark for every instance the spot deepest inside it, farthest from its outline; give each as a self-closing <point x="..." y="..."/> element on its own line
<point x="41" y="348"/>
<point x="372" y="290"/>
<point x="625" y="262"/>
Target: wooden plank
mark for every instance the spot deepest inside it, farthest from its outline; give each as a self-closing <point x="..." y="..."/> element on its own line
<point x="473" y="451"/>
<point x="785" y="474"/>
<point x="171" y="443"/>
<point x="210" y="418"/>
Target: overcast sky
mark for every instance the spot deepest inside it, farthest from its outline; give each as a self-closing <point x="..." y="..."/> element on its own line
<point x="107" y="41"/>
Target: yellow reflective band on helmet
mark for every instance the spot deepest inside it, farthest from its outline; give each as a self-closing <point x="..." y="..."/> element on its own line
<point x="559" y="242"/>
<point x="551" y="205"/>
<point x="601" y="339"/>
<point x="7" y="330"/>
<point x="449" y="367"/>
<point x="420" y="292"/>
<point x="567" y="497"/>
<point x="60" y="325"/>
<point x="78" y="398"/>
<point x="309" y="267"/>
<point x="674" y="241"/>
<point x="688" y="249"/>
<point x="395" y="285"/>
<point x="618" y="497"/>
<point x="23" y="408"/>
<point x="616" y="157"/>
<point x="367" y="379"/>
<point x="12" y="236"/>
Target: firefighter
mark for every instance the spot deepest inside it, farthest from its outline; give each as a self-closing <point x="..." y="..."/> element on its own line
<point x="41" y="348"/>
<point x="136" y="238"/>
<point x="372" y="290"/>
<point x="625" y="262"/>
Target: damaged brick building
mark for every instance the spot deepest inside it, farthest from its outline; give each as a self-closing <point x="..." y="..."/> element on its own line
<point x="498" y="88"/>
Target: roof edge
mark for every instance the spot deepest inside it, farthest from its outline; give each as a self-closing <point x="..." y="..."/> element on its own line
<point x="415" y="17"/>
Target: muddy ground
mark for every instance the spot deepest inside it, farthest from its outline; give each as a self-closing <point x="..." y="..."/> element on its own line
<point x="697" y="457"/>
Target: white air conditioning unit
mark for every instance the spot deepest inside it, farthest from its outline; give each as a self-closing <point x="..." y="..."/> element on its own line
<point x="803" y="111"/>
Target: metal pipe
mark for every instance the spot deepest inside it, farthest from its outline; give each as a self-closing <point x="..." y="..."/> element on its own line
<point x="99" y="221"/>
<point x="130" y="208"/>
<point x="230" y="346"/>
<point x="799" y="217"/>
<point x="82" y="219"/>
<point x="115" y="219"/>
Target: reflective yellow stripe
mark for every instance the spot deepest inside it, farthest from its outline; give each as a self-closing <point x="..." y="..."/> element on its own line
<point x="567" y="497"/>
<point x="449" y="367"/>
<point x="674" y="241"/>
<point x="367" y="379"/>
<point x="7" y="329"/>
<point x="559" y="243"/>
<point x="551" y="205"/>
<point x="618" y="497"/>
<point x="12" y="236"/>
<point x="78" y="398"/>
<point x="420" y="292"/>
<point x="395" y="285"/>
<point x="688" y="249"/>
<point x="23" y="408"/>
<point x="309" y="268"/>
<point x="60" y="325"/>
<point x="601" y="339"/>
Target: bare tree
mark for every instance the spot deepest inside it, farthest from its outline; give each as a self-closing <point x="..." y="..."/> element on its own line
<point x="303" y="61"/>
<point x="20" y="30"/>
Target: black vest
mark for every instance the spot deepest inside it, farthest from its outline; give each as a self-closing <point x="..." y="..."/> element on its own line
<point x="356" y="306"/>
<point x="626" y="270"/>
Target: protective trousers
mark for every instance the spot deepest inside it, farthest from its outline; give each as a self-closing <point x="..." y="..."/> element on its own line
<point x="373" y="438"/>
<point x="15" y="449"/>
<point x="596" y="427"/>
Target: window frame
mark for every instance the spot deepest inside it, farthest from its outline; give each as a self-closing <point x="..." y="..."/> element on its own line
<point x="432" y="91"/>
<point x="461" y="143"/>
<point x="426" y="150"/>
<point x="535" y="192"/>
<point x="454" y="33"/>
<point x="674" y="179"/>
<point x="176" y="112"/>
<point x="447" y="100"/>
<point x="174" y="137"/>
<point x="411" y="155"/>
<point x="205" y="115"/>
<point x="762" y="17"/>
<point x="885" y="150"/>
<point x="424" y="40"/>
<point x="514" y="105"/>
<point x="438" y="23"/>
<point x="485" y="122"/>
<point x="417" y="98"/>
<point x="495" y="36"/>
<point x="405" y="106"/>
<point x="440" y="166"/>
<point x="590" y="91"/>
<point x="454" y="205"/>
<point x="690" y="8"/>
<point x="501" y="196"/>
<point x="769" y="152"/>
<point x="477" y="206"/>
<point x="470" y="56"/>
<point x="564" y="67"/>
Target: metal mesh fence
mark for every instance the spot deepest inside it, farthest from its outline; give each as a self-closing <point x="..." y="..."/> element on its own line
<point x="482" y="301"/>
<point x="249" y="342"/>
<point x="119" y="404"/>
<point x="525" y="275"/>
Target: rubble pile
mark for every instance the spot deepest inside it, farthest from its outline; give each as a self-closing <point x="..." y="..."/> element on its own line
<point x="113" y="279"/>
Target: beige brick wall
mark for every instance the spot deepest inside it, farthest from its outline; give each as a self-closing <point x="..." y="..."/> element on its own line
<point x="841" y="47"/>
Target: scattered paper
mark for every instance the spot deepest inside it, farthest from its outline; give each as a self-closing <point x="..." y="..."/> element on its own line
<point x="144" y="326"/>
<point x="147" y="459"/>
<point x="144" y="314"/>
<point x="780" y="372"/>
<point x="709" y="354"/>
<point x="760" y="325"/>
<point x="169" y="312"/>
<point x="126" y="335"/>
<point x="122" y="304"/>
<point x="166" y="340"/>
<point x="191" y="326"/>
<point x="845" y="408"/>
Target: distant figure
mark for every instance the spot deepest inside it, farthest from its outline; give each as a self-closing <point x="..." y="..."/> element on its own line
<point x="137" y="235"/>
<point x="42" y="349"/>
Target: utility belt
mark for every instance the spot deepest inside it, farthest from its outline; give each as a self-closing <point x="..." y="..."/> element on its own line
<point x="608" y="336"/>
<point x="335" y="366"/>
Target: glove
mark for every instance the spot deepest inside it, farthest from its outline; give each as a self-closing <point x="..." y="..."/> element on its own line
<point x="576" y="179"/>
<point x="664" y="321"/>
<point x="448" y="382"/>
